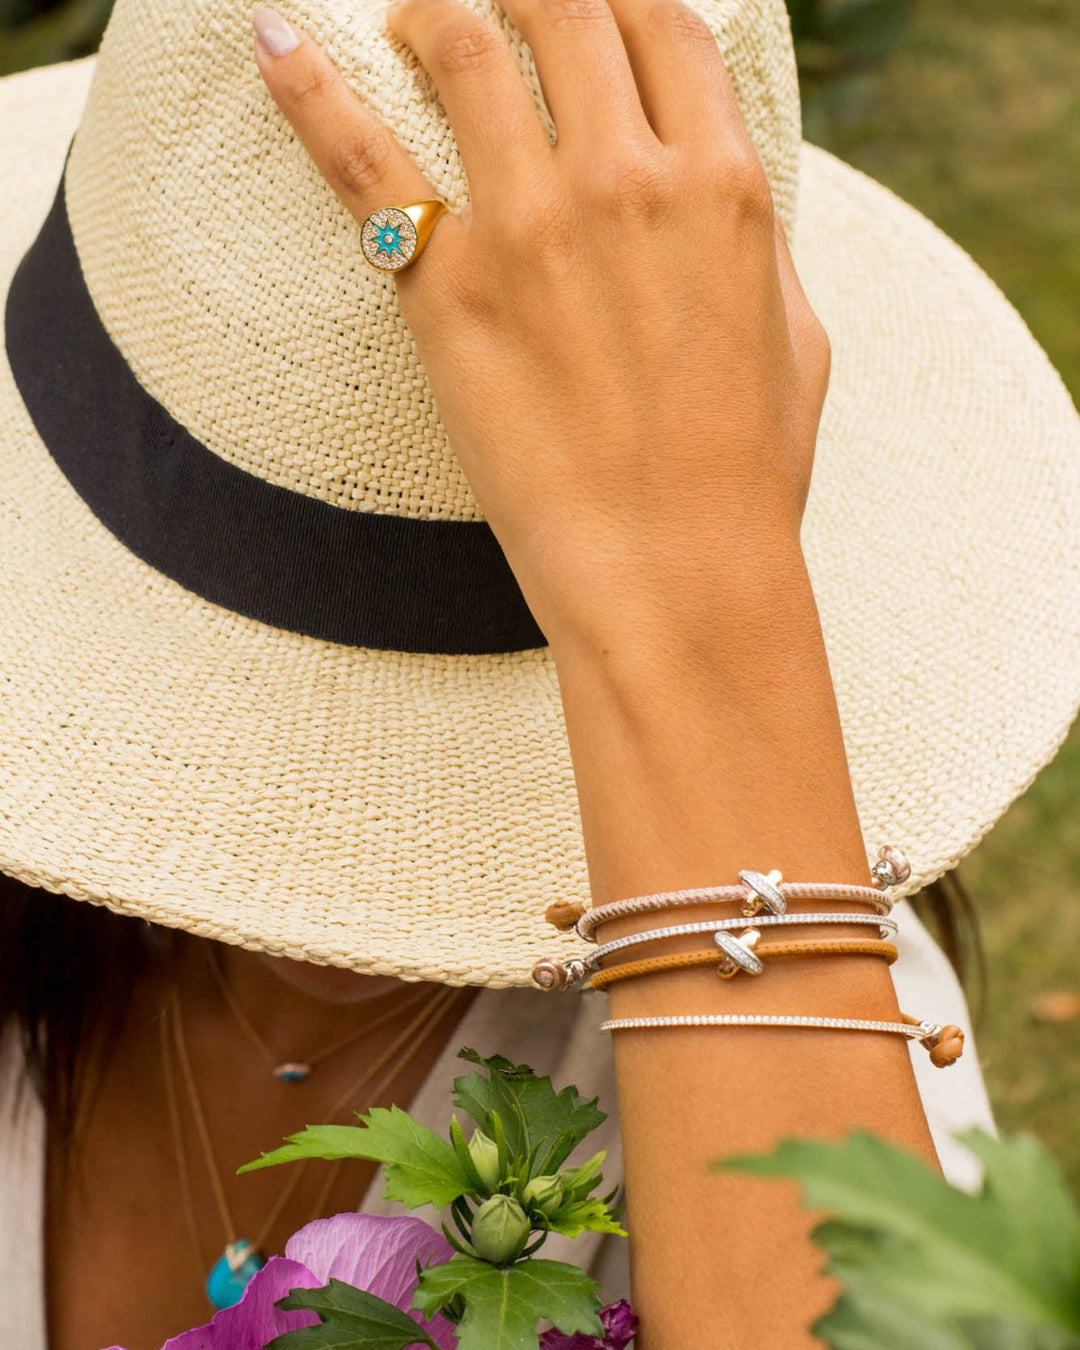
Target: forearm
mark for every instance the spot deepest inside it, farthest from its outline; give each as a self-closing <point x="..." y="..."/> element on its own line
<point x="699" y="749"/>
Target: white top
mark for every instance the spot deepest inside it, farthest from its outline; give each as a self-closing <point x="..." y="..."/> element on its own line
<point x="555" y="1033"/>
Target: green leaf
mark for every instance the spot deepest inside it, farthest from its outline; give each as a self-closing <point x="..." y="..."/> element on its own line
<point x="504" y="1304"/>
<point x="459" y="1244"/>
<point x="315" y="1141"/>
<point x="550" y="1154"/>
<point x="498" y="1133"/>
<point x="874" y="1313"/>
<point x="870" y="1323"/>
<point x="864" y="1319"/>
<point x="1026" y="1183"/>
<point x="902" y="1238"/>
<point x="531" y="1111"/>
<point x="421" y="1167"/>
<point x="460" y="1146"/>
<point x="351" y="1320"/>
<point x="998" y="1334"/>
<point x="581" y="1216"/>
<point x="579" y="1181"/>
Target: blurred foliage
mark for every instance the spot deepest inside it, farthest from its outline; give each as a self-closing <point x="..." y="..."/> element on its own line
<point x="37" y="32"/>
<point x="925" y="1266"/>
<point x="839" y="43"/>
<point x="975" y="120"/>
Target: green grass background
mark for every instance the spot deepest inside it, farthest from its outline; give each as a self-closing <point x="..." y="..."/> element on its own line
<point x="974" y="117"/>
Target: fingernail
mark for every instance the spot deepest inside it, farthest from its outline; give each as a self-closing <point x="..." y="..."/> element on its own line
<point x="273" y="32"/>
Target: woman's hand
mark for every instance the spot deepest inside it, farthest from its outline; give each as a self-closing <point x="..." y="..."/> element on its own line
<point x="618" y="344"/>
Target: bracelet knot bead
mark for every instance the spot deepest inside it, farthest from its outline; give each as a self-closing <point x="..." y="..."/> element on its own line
<point x="551" y="974"/>
<point x="892" y="867"/>
<point x="564" y="914"/>
<point x="948" y="1047"/>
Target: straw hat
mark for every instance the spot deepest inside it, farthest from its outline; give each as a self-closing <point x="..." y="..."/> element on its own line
<point x="264" y="672"/>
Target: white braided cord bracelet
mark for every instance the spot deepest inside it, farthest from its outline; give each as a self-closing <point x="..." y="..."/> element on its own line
<point x="707" y="895"/>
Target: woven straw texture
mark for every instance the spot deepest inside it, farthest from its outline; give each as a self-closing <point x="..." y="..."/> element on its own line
<point x="293" y="361"/>
<point x="414" y="814"/>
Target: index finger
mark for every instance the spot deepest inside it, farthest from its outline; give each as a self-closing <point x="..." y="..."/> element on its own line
<point x="357" y="155"/>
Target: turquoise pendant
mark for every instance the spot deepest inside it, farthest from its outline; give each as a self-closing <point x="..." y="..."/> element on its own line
<point x="232" y="1274"/>
<point x="293" y="1072"/>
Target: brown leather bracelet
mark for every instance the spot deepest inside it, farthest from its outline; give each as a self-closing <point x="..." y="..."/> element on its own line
<point x="684" y="960"/>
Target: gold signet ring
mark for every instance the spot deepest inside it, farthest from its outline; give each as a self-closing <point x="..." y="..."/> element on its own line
<point x="394" y="236"/>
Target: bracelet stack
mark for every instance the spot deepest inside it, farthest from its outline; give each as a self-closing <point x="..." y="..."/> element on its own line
<point x="763" y="899"/>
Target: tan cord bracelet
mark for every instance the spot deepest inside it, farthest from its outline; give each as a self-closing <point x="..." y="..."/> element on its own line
<point x="726" y="968"/>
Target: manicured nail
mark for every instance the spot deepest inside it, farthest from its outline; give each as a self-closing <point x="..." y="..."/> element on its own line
<point x="273" y="32"/>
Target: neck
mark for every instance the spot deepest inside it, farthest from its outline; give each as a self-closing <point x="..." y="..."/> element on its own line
<point x="295" y="1007"/>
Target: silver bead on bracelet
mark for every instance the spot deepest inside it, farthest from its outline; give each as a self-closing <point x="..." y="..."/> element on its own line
<point x="892" y="867"/>
<point x="763" y="893"/>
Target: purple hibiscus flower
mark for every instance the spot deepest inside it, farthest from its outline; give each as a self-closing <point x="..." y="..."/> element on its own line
<point x="374" y="1253"/>
<point x="619" y="1325"/>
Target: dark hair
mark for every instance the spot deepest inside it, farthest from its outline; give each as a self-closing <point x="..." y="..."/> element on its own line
<point x="67" y="969"/>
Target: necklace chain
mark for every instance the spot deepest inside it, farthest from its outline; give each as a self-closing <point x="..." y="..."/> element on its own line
<point x="311" y="1061"/>
<point x="429" y="1014"/>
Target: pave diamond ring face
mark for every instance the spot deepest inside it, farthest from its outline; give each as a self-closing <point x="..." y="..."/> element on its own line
<point x="394" y="236"/>
<point x="388" y="238"/>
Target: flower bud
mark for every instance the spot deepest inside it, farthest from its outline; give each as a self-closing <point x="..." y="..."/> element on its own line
<point x="500" y="1230"/>
<point x="484" y="1153"/>
<point x="544" y="1194"/>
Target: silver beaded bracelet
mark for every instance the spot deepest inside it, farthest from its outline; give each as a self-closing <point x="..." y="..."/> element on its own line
<point x="945" y="1043"/>
<point x="926" y="1033"/>
<point x="883" y="923"/>
<point x="917" y="1031"/>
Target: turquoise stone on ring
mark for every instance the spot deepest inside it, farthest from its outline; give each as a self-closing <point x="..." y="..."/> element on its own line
<point x="231" y="1275"/>
<point x="388" y="238"/>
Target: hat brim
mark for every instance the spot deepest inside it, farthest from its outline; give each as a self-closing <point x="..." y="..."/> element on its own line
<point x="414" y="815"/>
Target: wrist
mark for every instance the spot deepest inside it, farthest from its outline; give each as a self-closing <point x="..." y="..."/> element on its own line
<point x="751" y="625"/>
<point x="698" y="746"/>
